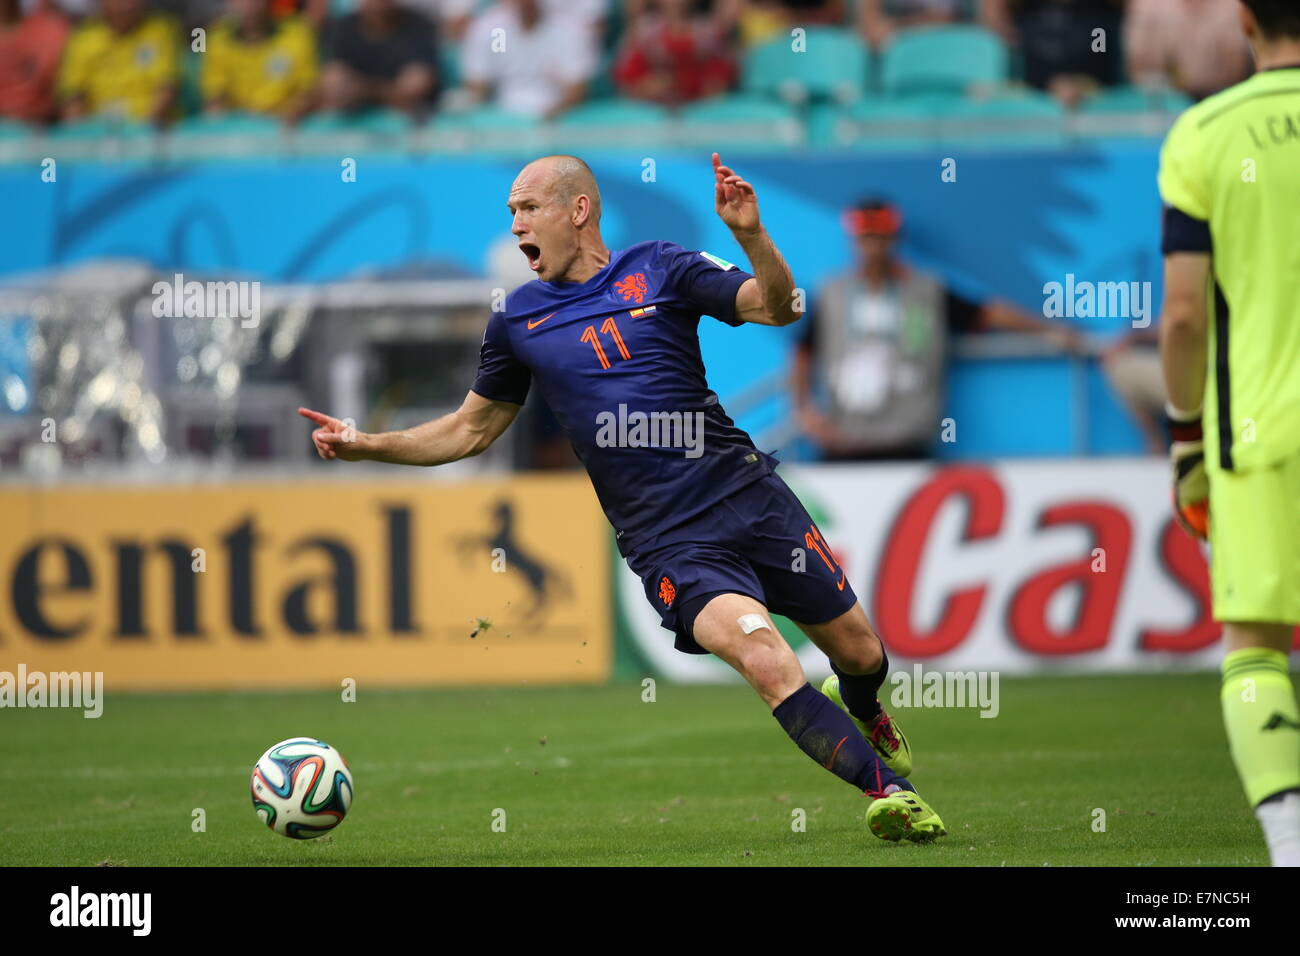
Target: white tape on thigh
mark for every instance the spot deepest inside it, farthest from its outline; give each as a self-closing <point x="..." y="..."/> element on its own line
<point x="749" y="623"/>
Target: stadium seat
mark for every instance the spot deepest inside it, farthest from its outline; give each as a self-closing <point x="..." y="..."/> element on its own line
<point x="1019" y="103"/>
<point x="623" y="114"/>
<point x="369" y="121"/>
<point x="900" y="122"/>
<point x="484" y="118"/>
<point x="449" y="65"/>
<point x="736" y="106"/>
<point x="943" y="59"/>
<point x="601" y="85"/>
<point x="741" y="118"/>
<point x="485" y="129"/>
<point x="12" y="130"/>
<point x="225" y="135"/>
<point x="189" y="94"/>
<point x="834" y="64"/>
<point x="885" y="123"/>
<point x="232" y="123"/>
<point x="1134" y="99"/>
<point x="1021" y="116"/>
<point x="99" y="127"/>
<point x="611" y="122"/>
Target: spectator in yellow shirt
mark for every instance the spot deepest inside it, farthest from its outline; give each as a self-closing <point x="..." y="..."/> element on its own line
<point x="124" y="63"/>
<point x="258" y="64"/>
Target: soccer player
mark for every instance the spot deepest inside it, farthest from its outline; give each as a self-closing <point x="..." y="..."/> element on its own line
<point x="1230" y="344"/>
<point x="699" y="514"/>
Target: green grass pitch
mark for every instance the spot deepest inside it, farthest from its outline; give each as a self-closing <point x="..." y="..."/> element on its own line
<point x="592" y="775"/>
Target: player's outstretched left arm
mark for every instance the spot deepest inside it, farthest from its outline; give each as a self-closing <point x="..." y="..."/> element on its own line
<point x="769" y="297"/>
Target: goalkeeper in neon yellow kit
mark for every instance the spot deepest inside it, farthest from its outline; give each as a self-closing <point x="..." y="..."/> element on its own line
<point x="1230" y="345"/>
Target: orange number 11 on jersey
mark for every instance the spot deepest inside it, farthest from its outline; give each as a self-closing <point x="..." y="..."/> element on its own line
<point x="609" y="326"/>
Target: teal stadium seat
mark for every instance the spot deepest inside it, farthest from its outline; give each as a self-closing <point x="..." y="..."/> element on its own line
<point x="225" y="135"/>
<point x="189" y="95"/>
<point x="615" y="114"/>
<point x="740" y="118"/>
<point x="878" y="122"/>
<point x="449" y="65"/>
<point x="10" y="130"/>
<point x="1021" y="117"/>
<point x="484" y="118"/>
<point x="1133" y="99"/>
<point x="833" y="64"/>
<point x="100" y="127"/>
<point x="609" y="123"/>
<point x="229" y="124"/>
<point x="602" y="86"/>
<point x="484" y="128"/>
<point x="17" y="141"/>
<point x="376" y="121"/>
<point x="943" y="59"/>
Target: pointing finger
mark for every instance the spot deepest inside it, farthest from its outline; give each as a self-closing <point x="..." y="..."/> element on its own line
<point x="315" y="416"/>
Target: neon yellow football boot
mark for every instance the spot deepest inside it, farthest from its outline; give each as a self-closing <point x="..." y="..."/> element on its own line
<point x="903" y="815"/>
<point x="883" y="733"/>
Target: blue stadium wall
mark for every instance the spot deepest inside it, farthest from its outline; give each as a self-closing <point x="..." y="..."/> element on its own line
<point x="1011" y="222"/>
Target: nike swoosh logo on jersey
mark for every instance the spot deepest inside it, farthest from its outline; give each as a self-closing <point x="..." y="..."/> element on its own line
<point x="533" y="325"/>
<point x="841" y="583"/>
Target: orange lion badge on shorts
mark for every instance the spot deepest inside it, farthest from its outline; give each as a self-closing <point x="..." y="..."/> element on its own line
<point x="666" y="591"/>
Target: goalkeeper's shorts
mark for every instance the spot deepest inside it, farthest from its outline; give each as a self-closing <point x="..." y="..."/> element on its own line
<point x="1255" y="543"/>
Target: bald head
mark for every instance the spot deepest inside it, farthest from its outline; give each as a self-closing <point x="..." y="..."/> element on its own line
<point x="566" y="178"/>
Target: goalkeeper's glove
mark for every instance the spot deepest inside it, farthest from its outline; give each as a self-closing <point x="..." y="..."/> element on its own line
<point x="1191" y="486"/>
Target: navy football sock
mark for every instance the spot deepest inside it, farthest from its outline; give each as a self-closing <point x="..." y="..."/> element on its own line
<point x="825" y="733"/>
<point x="860" y="692"/>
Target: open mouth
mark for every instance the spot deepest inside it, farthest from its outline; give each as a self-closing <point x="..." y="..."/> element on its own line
<point x="533" y="254"/>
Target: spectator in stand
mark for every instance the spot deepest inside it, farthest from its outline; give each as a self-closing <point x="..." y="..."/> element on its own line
<point x="1132" y="363"/>
<point x="449" y="16"/>
<point x="875" y="342"/>
<point x="256" y="64"/>
<point x="384" y="55"/>
<point x="124" y="63"/>
<point x="592" y="14"/>
<point x="813" y="12"/>
<point x="30" y="47"/>
<point x="74" y="10"/>
<point x="756" y="23"/>
<point x="1195" y="46"/>
<point x="879" y="20"/>
<point x="1057" y="40"/>
<point x="528" y="57"/>
<point x="760" y="20"/>
<point x="672" y="55"/>
<point x="452" y="17"/>
<point x="315" y="12"/>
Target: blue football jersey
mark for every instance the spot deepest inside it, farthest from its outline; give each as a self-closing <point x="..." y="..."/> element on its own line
<point x="617" y="358"/>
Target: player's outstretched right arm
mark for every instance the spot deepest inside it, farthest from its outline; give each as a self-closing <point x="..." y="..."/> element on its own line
<point x="465" y="432"/>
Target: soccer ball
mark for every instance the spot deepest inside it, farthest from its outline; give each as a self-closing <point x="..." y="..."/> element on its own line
<point x="302" y="787"/>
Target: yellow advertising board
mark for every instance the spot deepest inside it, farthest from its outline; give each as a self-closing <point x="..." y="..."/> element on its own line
<point x="301" y="584"/>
